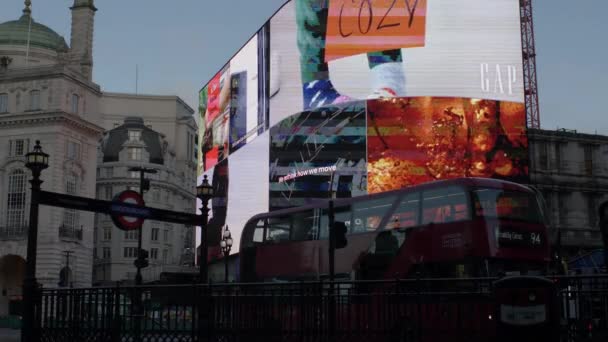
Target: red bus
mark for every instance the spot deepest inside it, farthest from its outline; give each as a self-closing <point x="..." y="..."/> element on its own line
<point x="458" y="228"/>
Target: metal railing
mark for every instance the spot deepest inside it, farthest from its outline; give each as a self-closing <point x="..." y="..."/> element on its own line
<point x="398" y="310"/>
<point x="13" y="232"/>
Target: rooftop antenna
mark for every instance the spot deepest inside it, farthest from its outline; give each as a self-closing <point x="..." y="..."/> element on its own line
<point x="28" y="11"/>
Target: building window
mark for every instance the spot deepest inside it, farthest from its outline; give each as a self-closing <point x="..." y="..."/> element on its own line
<point x="109" y="172"/>
<point x="135" y="153"/>
<point x="75" y="103"/>
<point x="130" y="252"/>
<point x="132" y="234"/>
<point x="134" y="135"/>
<point x="154" y="253"/>
<point x="165" y="256"/>
<point x="166" y="235"/>
<point x="588" y="166"/>
<point x="543" y="160"/>
<point x="73" y="150"/>
<point x="108" y="193"/>
<point x="564" y="199"/>
<point x="592" y="210"/>
<point x="155" y="195"/>
<point x="107" y="253"/>
<point x="107" y="234"/>
<point x="15" y="218"/>
<point x="134" y="174"/>
<point x="35" y="100"/>
<point x="154" y="234"/>
<point x="70" y="216"/>
<point x="3" y="103"/>
<point x="196" y="148"/>
<point x="559" y="151"/>
<point x="18" y="147"/>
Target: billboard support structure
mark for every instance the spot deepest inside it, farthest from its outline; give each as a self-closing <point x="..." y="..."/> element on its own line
<point x="529" y="64"/>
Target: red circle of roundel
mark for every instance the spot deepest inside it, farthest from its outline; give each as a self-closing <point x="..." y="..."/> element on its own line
<point x="127" y="222"/>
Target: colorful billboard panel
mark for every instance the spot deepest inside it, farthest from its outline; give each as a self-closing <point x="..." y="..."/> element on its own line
<point x="318" y="154"/>
<point x="330" y="52"/>
<point x="421" y="139"/>
<point x="214" y="109"/>
<point x="230" y="107"/>
<point x="244" y="110"/>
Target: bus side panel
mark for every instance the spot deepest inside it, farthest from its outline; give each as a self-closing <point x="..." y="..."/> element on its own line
<point x="288" y="260"/>
<point x="308" y="259"/>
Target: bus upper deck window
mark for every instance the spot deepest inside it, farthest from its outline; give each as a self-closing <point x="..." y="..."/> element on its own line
<point x="445" y="205"/>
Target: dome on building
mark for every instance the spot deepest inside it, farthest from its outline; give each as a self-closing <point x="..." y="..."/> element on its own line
<point x="16" y="33"/>
<point x="115" y="139"/>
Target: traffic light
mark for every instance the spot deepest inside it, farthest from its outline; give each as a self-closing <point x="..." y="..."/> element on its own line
<point x="340" y="231"/>
<point x="142" y="259"/>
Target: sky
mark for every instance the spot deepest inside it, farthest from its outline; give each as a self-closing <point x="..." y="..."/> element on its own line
<point x="177" y="46"/>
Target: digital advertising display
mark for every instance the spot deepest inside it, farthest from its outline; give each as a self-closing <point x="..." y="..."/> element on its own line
<point x="421" y="139"/>
<point x="342" y="98"/>
<point x="318" y="154"/>
<point x="330" y="52"/>
<point x="229" y="107"/>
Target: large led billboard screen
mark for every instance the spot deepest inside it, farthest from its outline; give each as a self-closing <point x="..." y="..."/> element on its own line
<point x="341" y="98"/>
<point x="328" y="52"/>
<point x="229" y="107"/>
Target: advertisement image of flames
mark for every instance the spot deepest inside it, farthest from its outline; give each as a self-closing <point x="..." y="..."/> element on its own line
<point x="421" y="139"/>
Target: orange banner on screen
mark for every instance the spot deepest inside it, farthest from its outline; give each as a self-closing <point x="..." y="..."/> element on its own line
<point x="359" y="26"/>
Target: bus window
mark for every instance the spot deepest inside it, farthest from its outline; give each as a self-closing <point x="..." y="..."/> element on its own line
<point x="512" y="205"/>
<point x="258" y="233"/>
<point x="368" y="215"/>
<point x="303" y="227"/>
<point x="406" y="214"/>
<point x="278" y="229"/>
<point x="445" y="205"/>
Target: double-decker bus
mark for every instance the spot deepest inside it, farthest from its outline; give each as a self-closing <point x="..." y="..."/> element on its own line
<point x="458" y="228"/>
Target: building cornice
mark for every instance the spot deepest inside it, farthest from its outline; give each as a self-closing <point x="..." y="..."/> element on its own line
<point x="566" y="135"/>
<point x="46" y="72"/>
<point x="46" y="118"/>
<point x="149" y="97"/>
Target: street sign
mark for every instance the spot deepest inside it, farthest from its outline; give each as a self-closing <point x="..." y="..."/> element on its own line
<point x="120" y="213"/>
<point x="110" y="207"/>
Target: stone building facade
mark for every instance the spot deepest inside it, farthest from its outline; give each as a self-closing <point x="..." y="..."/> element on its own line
<point x="132" y="144"/>
<point x="47" y="93"/>
<point x="571" y="170"/>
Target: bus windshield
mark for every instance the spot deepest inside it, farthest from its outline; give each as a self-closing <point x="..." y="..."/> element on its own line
<point x="509" y="205"/>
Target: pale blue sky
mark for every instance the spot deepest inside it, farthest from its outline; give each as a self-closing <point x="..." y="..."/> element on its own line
<point x="179" y="45"/>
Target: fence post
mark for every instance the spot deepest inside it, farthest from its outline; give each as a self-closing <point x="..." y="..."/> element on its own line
<point x="116" y="326"/>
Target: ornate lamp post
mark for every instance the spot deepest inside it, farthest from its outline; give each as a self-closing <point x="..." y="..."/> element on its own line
<point x="226" y="245"/>
<point x="36" y="161"/>
<point x="204" y="192"/>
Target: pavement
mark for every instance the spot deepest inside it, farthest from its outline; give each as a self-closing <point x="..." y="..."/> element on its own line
<point x="10" y="335"/>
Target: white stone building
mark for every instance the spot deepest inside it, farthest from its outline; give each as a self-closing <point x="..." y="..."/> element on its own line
<point x="47" y="93"/>
<point x="571" y="170"/>
<point x="169" y="245"/>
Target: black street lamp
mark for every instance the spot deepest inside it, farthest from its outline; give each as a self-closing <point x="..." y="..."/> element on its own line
<point x="204" y="192"/>
<point x="226" y="245"/>
<point x="36" y="161"/>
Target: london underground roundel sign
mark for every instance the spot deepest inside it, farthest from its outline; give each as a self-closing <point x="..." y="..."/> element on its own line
<point x="121" y="220"/>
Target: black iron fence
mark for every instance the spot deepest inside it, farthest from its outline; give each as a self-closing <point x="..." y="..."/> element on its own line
<point x="399" y="310"/>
